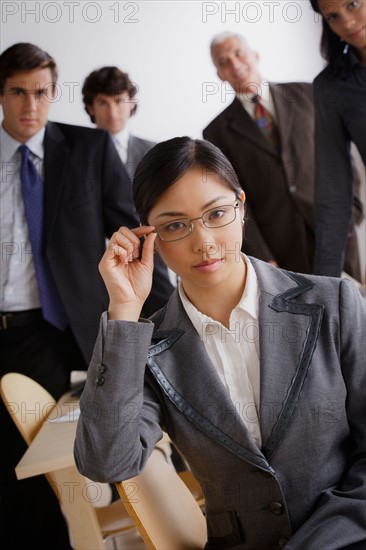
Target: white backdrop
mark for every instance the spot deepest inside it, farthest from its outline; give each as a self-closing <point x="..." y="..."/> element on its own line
<point x="164" y="46"/>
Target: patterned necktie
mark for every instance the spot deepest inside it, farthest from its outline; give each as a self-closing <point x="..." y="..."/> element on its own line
<point x="32" y="191"/>
<point x="266" y="123"/>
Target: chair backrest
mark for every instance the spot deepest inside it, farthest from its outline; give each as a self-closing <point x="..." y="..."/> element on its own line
<point x="163" y="508"/>
<point x="29" y="405"/>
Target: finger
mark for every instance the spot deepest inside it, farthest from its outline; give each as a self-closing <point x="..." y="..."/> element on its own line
<point x="143" y="230"/>
<point x="147" y="257"/>
<point x="122" y="245"/>
<point x="135" y="236"/>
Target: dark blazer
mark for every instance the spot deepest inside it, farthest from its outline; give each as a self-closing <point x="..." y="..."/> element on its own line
<point x="306" y="486"/>
<point x="87" y="197"/>
<point x="340" y="118"/>
<point x="279" y="189"/>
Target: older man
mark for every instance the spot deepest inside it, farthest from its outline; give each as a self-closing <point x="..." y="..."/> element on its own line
<point x="267" y="132"/>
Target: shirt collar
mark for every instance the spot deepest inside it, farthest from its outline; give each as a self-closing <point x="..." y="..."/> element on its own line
<point x="35" y="143"/>
<point x="248" y="302"/>
<point x="9" y="145"/>
<point x="266" y="100"/>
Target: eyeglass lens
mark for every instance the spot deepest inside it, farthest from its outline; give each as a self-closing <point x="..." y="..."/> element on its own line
<point x="213" y="218"/>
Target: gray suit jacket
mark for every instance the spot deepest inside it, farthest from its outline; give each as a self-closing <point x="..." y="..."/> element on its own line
<point x="136" y="149"/>
<point x="305" y="488"/>
<point x="279" y="188"/>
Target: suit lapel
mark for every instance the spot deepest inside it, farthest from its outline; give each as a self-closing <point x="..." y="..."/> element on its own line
<point x="283" y="104"/>
<point x="289" y="331"/>
<point x="131" y="148"/>
<point x="288" y="334"/>
<point x="55" y="166"/>
<point x="239" y="121"/>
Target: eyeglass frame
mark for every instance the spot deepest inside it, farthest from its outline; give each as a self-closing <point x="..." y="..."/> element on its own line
<point x="191" y="225"/>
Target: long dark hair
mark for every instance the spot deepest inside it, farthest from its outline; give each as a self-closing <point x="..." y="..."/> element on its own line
<point x="168" y="161"/>
<point x="332" y="48"/>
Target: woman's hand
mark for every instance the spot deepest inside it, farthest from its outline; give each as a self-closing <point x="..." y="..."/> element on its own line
<point x="128" y="279"/>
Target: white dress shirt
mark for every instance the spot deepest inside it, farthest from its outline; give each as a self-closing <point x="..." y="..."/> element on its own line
<point x="121" y="143"/>
<point x="19" y="289"/>
<point x="235" y="353"/>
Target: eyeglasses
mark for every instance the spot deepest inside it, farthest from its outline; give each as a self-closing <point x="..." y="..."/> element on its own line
<point x="213" y="219"/>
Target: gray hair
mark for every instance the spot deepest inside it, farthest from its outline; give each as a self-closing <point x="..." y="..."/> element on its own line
<point x="222" y="36"/>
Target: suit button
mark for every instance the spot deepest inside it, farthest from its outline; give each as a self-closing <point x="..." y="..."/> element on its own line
<point x="293" y="188"/>
<point x="276" y="508"/>
<point x="102" y="369"/>
<point x="100" y="380"/>
<point x="282" y="542"/>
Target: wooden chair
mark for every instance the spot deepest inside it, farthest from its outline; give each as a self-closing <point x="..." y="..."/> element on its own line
<point x="89" y="526"/>
<point x="162" y="507"/>
<point x="164" y="446"/>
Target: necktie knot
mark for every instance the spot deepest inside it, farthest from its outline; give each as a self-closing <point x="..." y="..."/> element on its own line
<point x="24" y="150"/>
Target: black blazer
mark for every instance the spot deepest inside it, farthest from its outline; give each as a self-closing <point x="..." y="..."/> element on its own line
<point x="87" y="197"/>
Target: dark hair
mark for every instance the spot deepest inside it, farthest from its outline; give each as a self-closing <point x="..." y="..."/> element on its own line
<point x="168" y="161"/>
<point x="109" y="81"/>
<point x="25" y="57"/>
<point x="332" y="47"/>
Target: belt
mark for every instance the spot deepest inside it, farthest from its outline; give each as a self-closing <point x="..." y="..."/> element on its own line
<point x="16" y="319"/>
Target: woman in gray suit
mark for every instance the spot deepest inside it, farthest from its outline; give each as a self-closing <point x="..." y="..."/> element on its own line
<point x="256" y="373"/>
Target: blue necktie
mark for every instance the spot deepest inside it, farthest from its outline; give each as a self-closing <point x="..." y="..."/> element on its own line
<point x="32" y="191"/>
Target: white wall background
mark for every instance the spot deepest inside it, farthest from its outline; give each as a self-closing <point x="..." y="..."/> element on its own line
<point x="164" y="46"/>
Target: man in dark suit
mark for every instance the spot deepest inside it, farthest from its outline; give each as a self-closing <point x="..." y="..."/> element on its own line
<point x="110" y="100"/>
<point x="109" y="97"/>
<point x="278" y="179"/>
<point x="85" y="194"/>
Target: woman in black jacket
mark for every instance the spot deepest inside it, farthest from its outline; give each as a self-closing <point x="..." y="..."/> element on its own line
<point x="340" y="109"/>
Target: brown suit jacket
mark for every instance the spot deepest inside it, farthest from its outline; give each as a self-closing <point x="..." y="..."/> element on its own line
<point x="279" y="188"/>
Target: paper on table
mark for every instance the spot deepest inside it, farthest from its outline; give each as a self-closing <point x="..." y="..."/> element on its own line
<point x="71" y="416"/>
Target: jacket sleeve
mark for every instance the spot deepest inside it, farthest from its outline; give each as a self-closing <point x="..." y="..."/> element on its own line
<point x="119" y="423"/>
<point x="339" y="519"/>
<point x="333" y="181"/>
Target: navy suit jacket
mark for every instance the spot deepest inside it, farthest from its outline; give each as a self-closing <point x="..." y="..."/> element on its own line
<point x="87" y="197"/>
